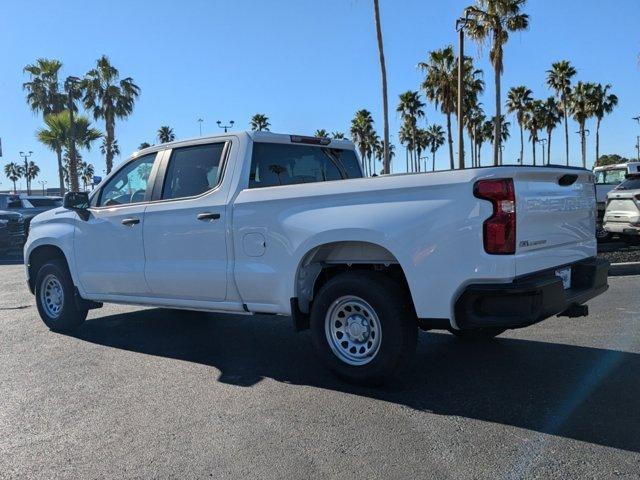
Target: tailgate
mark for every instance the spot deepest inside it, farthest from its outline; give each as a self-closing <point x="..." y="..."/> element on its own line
<point x="556" y="217"/>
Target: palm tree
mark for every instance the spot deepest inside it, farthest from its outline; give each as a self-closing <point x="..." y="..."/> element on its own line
<point x="386" y="162"/>
<point x="534" y="122"/>
<point x="109" y="97"/>
<point x="54" y="136"/>
<point x="410" y="107"/>
<point x="440" y="86"/>
<point x="337" y="135"/>
<point x="551" y="118"/>
<point x="44" y="96"/>
<point x="405" y="136"/>
<point x="114" y="148"/>
<point x="604" y="103"/>
<point x="260" y="122"/>
<point x="473" y="88"/>
<point x="144" y="145"/>
<point x="87" y="173"/>
<point x="165" y="134"/>
<point x="321" y="133"/>
<point x="474" y="119"/>
<point x="14" y="172"/>
<point x="30" y="173"/>
<point x="519" y="101"/>
<point x="559" y="80"/>
<point x="361" y="130"/>
<point x="422" y="143"/>
<point x="582" y="106"/>
<point x="435" y="139"/>
<point x="493" y="20"/>
<point x="487" y="131"/>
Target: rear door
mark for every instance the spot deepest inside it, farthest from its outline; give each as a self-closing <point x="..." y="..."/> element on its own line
<point x="185" y="227"/>
<point x="556" y="210"/>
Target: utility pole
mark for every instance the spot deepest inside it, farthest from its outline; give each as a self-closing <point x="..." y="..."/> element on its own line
<point x="225" y="126"/>
<point x="461" y="23"/>
<point x="638" y="146"/>
<point x="26" y="169"/>
<point x="43" y="183"/>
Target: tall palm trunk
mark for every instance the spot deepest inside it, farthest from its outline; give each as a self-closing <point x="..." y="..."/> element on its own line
<point x="566" y="125"/>
<point x="60" y="170"/>
<point x="406" y="157"/>
<point x="521" y="142"/>
<point x="549" y="130"/>
<point x="450" y="141"/>
<point x="73" y="162"/>
<point x="498" y="123"/>
<point x="597" y="141"/>
<point x="433" y="160"/>
<point x="533" y="144"/>
<point x="14" y="187"/>
<point x="479" y="154"/>
<point x="110" y="130"/>
<point x="386" y="164"/>
<point x="583" y="144"/>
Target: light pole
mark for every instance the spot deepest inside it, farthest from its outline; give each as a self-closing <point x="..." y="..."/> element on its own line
<point x="226" y="127"/>
<point x="543" y="141"/>
<point x="637" y="119"/>
<point x="461" y="23"/>
<point x="200" y="120"/>
<point x="26" y="166"/>
<point x="43" y="183"/>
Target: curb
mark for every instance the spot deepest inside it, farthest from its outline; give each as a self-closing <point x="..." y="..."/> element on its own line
<point x="624" y="269"/>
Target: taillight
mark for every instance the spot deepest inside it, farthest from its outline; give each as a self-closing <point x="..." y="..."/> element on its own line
<point x="499" y="230"/>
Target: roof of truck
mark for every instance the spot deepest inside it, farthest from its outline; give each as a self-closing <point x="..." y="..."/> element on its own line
<point x="263" y="136"/>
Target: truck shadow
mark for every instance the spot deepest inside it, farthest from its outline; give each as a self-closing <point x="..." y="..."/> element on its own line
<point x="583" y="393"/>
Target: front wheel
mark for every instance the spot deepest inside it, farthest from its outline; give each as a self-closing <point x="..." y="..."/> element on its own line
<point x="363" y="327"/>
<point x="55" y="297"/>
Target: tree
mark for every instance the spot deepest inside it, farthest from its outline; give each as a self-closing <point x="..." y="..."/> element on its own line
<point x="435" y="139"/>
<point x="551" y="118"/>
<point x="519" y="102"/>
<point x="165" y="134"/>
<point x="559" y="80"/>
<point x="144" y="145"/>
<point x="30" y="173"/>
<point x="582" y="106"/>
<point x="534" y="122"/>
<point x="405" y="136"/>
<point x="44" y="96"/>
<point x="410" y="108"/>
<point x="87" y="174"/>
<point x="386" y="165"/>
<point x="337" y="135"/>
<point x="109" y="98"/>
<point x="57" y="136"/>
<point x="14" y="172"/>
<point x="473" y="86"/>
<point x="114" y="148"/>
<point x="73" y="88"/>
<point x="440" y="86"/>
<point x="361" y="132"/>
<point x="475" y="118"/>
<point x="321" y="133"/>
<point x="486" y="135"/>
<point x="611" y="160"/>
<point x="260" y="122"/>
<point x="492" y="21"/>
<point x="604" y="103"/>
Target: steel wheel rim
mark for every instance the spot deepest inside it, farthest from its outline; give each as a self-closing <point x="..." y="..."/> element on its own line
<point x="353" y="330"/>
<point x="52" y="296"/>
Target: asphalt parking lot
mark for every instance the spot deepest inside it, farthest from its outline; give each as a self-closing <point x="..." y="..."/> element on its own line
<point x="159" y="394"/>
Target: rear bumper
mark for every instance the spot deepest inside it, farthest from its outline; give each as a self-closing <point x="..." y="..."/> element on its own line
<point x="625" y="228"/>
<point x="531" y="298"/>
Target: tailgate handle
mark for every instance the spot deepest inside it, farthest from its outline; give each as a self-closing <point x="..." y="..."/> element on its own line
<point x="568" y="179"/>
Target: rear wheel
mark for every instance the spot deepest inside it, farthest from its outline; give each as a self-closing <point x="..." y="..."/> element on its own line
<point x="479" y="334"/>
<point x="363" y="327"/>
<point x="55" y="297"/>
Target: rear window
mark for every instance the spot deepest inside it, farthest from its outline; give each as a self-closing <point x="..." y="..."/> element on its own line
<point x="46" y="202"/>
<point x="274" y="164"/>
<point x="631" y="183"/>
<point x="610" y="177"/>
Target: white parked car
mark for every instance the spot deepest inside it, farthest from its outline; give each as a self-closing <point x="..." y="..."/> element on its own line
<point x="622" y="215"/>
<point x="607" y="178"/>
<point x="258" y="222"/>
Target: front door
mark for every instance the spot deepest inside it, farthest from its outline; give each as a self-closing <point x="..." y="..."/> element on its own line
<point x="108" y="242"/>
<point x="184" y="230"/>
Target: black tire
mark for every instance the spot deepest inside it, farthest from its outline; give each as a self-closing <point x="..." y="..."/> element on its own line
<point x="480" y="334"/>
<point x="70" y="316"/>
<point x="397" y="324"/>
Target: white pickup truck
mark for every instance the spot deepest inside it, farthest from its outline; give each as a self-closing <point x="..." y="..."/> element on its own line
<point x="260" y="223"/>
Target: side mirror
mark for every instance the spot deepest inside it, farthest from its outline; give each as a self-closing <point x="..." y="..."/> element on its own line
<point x="76" y="200"/>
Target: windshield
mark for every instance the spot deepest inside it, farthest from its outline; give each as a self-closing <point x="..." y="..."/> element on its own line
<point x="610" y="177"/>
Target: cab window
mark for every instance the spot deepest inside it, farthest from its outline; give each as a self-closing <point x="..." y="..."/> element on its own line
<point x="193" y="170"/>
<point x="610" y="177"/>
<point x="274" y="164"/>
<point x="129" y="185"/>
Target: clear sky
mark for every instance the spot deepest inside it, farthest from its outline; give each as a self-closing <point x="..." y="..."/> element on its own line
<point x="306" y="64"/>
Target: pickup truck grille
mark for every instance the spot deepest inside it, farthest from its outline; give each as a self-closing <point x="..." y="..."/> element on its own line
<point x="15" y="227"/>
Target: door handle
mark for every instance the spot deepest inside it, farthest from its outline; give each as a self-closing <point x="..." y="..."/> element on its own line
<point x="130" y="221"/>
<point x="208" y="216"/>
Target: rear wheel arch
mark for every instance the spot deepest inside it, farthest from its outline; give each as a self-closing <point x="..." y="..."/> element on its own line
<point x="328" y="260"/>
